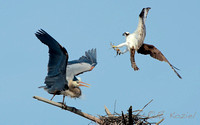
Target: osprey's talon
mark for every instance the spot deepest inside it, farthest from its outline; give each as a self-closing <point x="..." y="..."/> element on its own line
<point x="135" y="67"/>
<point x="118" y="51"/>
<point x="112" y="45"/>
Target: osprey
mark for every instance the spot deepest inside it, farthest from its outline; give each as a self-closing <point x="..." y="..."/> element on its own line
<point x="135" y="42"/>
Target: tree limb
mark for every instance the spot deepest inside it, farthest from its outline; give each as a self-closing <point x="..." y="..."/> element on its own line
<point x="160" y="121"/>
<point x="71" y="109"/>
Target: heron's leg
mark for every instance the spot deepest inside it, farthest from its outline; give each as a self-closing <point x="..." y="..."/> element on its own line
<point x="53" y="96"/>
<point x="132" y="58"/>
<point x="63" y="103"/>
<point x="63" y="99"/>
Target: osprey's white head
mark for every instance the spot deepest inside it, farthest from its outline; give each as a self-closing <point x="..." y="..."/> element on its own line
<point x="144" y="12"/>
<point x="126" y="34"/>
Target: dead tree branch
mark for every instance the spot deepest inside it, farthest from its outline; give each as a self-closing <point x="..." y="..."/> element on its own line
<point x="109" y="119"/>
<point x="71" y="109"/>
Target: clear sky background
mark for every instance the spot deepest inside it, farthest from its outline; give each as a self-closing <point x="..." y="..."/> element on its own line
<point x="80" y="25"/>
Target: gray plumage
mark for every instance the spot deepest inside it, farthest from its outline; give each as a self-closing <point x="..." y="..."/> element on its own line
<point x="90" y="57"/>
<point x="83" y="64"/>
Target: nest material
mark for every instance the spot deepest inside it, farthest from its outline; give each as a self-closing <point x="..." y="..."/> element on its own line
<point x="124" y="120"/>
<point x="119" y="120"/>
<point x="129" y="118"/>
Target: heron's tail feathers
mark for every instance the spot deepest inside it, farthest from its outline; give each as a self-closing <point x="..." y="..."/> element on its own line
<point x="44" y="87"/>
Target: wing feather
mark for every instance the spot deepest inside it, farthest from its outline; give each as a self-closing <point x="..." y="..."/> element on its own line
<point x="155" y="53"/>
<point x="83" y="64"/>
<point x="58" y="57"/>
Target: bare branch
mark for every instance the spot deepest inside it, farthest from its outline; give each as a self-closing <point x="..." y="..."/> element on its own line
<point x="160" y="121"/>
<point x="115" y="106"/>
<point x="130" y="116"/>
<point x="144" y="107"/>
<point x="124" y="120"/>
<point x="71" y="109"/>
<point x="110" y="119"/>
<point x="108" y="112"/>
<point x="137" y="110"/>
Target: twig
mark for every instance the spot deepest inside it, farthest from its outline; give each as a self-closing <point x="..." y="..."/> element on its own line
<point x="159" y="121"/>
<point x="152" y="116"/>
<point x="137" y="110"/>
<point x="124" y="120"/>
<point x="108" y="112"/>
<point x="71" y="109"/>
<point x="115" y="106"/>
<point x="130" y="116"/>
<point x="144" y="107"/>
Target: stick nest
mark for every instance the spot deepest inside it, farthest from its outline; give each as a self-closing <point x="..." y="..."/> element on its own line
<point x="130" y="118"/>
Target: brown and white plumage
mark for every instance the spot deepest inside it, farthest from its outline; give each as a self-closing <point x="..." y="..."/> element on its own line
<point x="135" y="42"/>
<point x="155" y="53"/>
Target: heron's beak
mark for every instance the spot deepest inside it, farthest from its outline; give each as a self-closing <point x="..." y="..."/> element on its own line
<point x="91" y="69"/>
<point x="86" y="84"/>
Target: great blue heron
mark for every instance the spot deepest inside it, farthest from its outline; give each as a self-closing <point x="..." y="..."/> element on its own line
<point x="56" y="82"/>
<point x="83" y="64"/>
<point x="135" y="42"/>
<point x="79" y="66"/>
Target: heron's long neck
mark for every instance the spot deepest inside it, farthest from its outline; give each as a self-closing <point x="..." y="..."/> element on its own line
<point x="72" y="91"/>
<point x="76" y="91"/>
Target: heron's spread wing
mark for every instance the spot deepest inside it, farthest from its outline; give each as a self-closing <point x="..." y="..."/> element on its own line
<point x="83" y="64"/>
<point x="58" y="57"/>
<point x="155" y="53"/>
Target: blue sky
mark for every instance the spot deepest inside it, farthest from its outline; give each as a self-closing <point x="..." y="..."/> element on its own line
<point x="172" y="26"/>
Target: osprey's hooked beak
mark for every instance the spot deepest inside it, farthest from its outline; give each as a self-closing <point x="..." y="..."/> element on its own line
<point x="124" y="34"/>
<point x="86" y="84"/>
<point x="144" y="12"/>
<point x="147" y="10"/>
